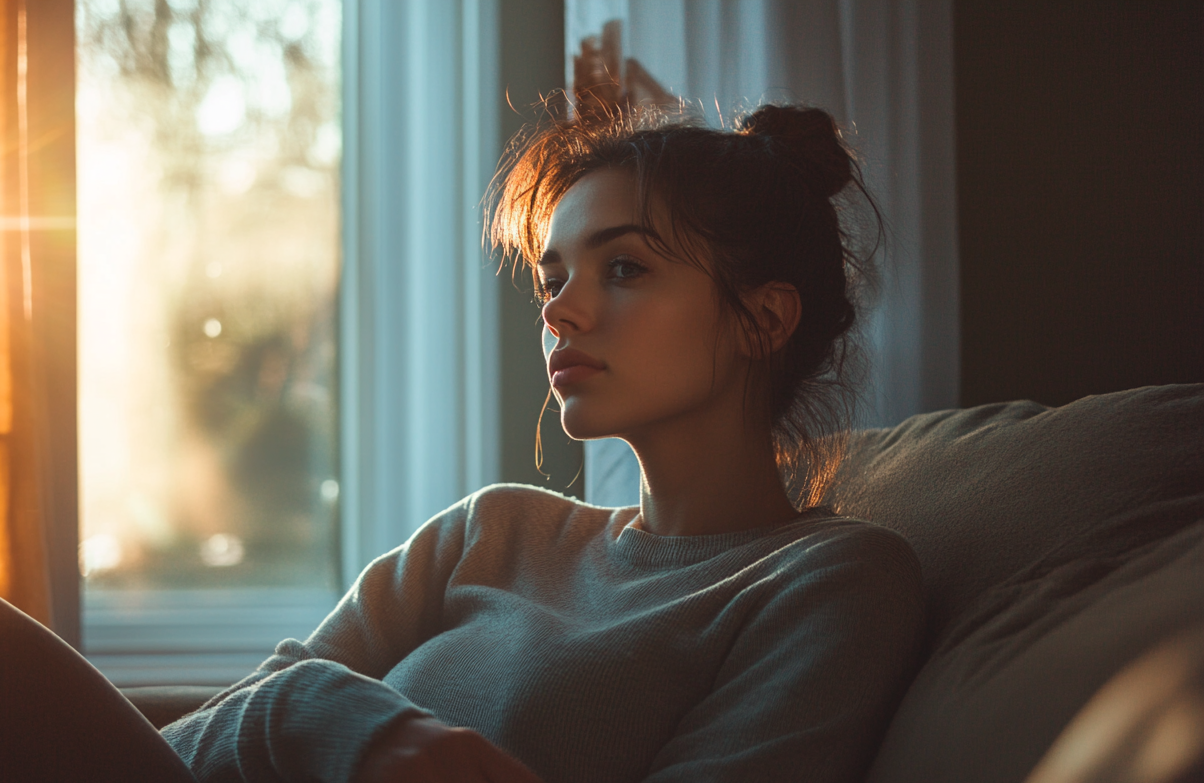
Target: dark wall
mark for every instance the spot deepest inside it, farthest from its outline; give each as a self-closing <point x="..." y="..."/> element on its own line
<point x="532" y="66"/>
<point x="1080" y="203"/>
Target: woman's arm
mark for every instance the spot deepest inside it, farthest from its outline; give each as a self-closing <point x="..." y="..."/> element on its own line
<point x="814" y="677"/>
<point x="310" y="711"/>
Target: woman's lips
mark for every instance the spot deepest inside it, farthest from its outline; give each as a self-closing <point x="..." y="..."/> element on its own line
<point x="575" y="374"/>
<point x="569" y="366"/>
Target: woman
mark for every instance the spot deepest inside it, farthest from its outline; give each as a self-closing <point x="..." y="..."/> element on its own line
<point x="698" y="284"/>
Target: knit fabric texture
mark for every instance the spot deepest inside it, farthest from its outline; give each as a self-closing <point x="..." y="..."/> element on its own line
<point x="592" y="651"/>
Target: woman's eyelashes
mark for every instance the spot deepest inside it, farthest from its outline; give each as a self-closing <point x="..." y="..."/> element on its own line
<point x="619" y="268"/>
<point x="626" y="268"/>
<point x="548" y="288"/>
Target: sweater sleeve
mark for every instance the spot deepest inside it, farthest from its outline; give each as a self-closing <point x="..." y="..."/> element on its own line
<point x="812" y="680"/>
<point x="310" y="710"/>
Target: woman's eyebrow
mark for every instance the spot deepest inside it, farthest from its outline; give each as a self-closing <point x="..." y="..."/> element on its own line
<point x="599" y="238"/>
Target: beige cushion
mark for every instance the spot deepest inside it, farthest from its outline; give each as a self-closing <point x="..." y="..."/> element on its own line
<point x="984" y="492"/>
<point x="1058" y="545"/>
<point x="993" y="698"/>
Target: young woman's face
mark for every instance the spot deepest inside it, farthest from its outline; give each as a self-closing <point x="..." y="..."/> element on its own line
<point x="641" y="339"/>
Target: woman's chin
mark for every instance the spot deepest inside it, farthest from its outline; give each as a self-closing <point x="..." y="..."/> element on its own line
<point x="580" y="424"/>
<point x="577" y="431"/>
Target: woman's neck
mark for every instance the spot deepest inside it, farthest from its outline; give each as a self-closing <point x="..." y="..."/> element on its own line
<point x="703" y="480"/>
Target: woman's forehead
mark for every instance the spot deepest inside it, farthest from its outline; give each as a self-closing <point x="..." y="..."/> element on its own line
<point x="599" y="200"/>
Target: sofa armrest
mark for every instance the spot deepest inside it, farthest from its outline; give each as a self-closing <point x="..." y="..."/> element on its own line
<point x="163" y="704"/>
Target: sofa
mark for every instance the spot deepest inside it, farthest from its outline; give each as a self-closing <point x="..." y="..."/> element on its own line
<point x="1059" y="547"/>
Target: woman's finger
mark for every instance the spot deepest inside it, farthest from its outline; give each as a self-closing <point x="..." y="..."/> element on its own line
<point x="405" y="767"/>
<point x="457" y="757"/>
<point x="463" y="756"/>
<point x="501" y="767"/>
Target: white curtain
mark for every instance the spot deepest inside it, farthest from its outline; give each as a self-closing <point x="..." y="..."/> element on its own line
<point x="881" y="67"/>
<point x="418" y="368"/>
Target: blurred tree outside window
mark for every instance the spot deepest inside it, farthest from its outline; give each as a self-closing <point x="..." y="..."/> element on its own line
<point x="208" y="177"/>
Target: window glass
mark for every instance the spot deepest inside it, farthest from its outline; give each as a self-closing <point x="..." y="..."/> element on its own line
<point x="208" y="160"/>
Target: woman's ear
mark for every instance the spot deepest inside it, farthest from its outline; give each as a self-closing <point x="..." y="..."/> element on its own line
<point x="777" y="309"/>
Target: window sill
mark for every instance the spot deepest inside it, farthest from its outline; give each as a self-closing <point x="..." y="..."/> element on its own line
<point x="194" y="637"/>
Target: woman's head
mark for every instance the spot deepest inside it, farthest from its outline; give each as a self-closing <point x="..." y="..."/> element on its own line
<point x="753" y="210"/>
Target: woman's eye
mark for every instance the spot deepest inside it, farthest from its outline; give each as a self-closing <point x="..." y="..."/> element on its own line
<point x="549" y="288"/>
<point x="626" y="268"/>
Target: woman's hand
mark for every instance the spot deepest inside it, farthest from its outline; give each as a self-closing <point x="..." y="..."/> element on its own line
<point x="598" y="89"/>
<point x="423" y="750"/>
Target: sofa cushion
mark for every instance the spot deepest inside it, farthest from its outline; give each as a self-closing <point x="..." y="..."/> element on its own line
<point x="1058" y="544"/>
<point x="164" y="704"/>
<point x="1013" y="672"/>
<point x="982" y="493"/>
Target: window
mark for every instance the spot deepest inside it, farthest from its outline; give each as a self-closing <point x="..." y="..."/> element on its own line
<point x="208" y="150"/>
<point x="255" y="146"/>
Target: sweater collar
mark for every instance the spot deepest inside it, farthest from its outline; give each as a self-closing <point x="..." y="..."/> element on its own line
<point x="639" y="547"/>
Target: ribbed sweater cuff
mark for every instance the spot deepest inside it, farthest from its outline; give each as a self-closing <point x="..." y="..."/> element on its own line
<point x="326" y="744"/>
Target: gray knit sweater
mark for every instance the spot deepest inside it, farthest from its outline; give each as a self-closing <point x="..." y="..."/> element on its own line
<point x="592" y="651"/>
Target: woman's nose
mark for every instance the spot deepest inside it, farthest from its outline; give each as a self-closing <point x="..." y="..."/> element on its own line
<point x="568" y="311"/>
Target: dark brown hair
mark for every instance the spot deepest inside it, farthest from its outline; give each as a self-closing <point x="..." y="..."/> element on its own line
<point x="768" y="202"/>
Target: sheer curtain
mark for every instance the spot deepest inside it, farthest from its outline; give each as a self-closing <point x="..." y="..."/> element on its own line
<point x="419" y="361"/>
<point x="24" y="564"/>
<point x="38" y="572"/>
<point x="883" y="68"/>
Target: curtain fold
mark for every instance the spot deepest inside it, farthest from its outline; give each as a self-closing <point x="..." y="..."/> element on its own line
<point x="24" y="561"/>
<point x="419" y="374"/>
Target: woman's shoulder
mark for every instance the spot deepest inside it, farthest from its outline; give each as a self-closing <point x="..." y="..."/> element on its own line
<point x="864" y="572"/>
<point x="520" y="498"/>
<point x="505" y="505"/>
<point x="823" y="538"/>
<point x="856" y="532"/>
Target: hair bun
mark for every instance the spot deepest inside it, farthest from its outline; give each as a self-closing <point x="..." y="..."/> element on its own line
<point x="810" y="135"/>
